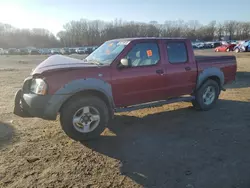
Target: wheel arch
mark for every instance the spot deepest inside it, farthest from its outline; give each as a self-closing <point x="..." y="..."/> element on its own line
<point x="83" y="87"/>
<point x="210" y="73"/>
<point x="91" y="92"/>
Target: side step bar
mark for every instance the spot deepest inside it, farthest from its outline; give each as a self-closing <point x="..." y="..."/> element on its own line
<point x="154" y="104"/>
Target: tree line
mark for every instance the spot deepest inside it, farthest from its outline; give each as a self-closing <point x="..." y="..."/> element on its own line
<point x="11" y="37"/>
<point x="94" y="32"/>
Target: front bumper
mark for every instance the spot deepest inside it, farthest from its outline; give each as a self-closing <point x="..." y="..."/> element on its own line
<point x="27" y="104"/>
<point x="32" y="105"/>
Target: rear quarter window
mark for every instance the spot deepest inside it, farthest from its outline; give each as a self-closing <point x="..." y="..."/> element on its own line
<point x="177" y="52"/>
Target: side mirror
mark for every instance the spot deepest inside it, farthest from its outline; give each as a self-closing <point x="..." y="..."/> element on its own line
<point x="124" y="63"/>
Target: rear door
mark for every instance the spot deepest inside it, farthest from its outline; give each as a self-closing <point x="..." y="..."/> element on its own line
<point x="144" y="80"/>
<point x="180" y="66"/>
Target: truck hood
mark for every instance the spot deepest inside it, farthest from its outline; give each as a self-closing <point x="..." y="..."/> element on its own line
<point x="56" y="62"/>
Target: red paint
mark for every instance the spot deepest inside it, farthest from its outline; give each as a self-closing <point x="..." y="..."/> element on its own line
<point x="136" y="85"/>
<point x="224" y="48"/>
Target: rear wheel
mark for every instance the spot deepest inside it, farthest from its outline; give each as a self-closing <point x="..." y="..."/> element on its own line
<point x="237" y="50"/>
<point x="228" y="50"/>
<point x="84" y="118"/>
<point x="206" y="96"/>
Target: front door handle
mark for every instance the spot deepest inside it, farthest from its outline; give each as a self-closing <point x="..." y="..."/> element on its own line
<point x="159" y="71"/>
<point x="187" y="68"/>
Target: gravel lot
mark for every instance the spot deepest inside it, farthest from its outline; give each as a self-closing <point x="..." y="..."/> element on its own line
<point x="169" y="146"/>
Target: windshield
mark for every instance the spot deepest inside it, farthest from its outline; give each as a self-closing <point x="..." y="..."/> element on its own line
<point x="107" y="52"/>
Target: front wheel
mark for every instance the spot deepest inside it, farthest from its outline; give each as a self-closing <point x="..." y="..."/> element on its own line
<point x="207" y="95"/>
<point x="84" y="117"/>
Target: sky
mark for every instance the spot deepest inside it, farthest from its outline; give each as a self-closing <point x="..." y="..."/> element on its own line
<point x="53" y="14"/>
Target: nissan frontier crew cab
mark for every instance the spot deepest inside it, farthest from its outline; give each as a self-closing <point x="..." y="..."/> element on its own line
<point x="121" y="75"/>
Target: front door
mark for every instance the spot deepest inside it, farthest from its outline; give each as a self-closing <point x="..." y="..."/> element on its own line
<point x="143" y="81"/>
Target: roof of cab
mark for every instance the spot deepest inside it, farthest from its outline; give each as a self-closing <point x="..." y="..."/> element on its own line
<point x="147" y="38"/>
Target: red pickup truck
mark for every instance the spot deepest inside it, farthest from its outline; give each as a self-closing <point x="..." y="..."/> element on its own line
<point x="121" y="75"/>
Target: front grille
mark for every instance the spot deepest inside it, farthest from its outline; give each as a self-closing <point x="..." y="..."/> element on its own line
<point x="26" y="85"/>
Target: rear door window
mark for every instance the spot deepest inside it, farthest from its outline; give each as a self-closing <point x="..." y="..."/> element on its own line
<point x="177" y="52"/>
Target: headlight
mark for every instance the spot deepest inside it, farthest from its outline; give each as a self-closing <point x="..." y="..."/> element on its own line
<point x="38" y="86"/>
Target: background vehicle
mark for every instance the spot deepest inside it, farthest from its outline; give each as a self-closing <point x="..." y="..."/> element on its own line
<point x="72" y="50"/>
<point x="34" y="52"/>
<point x="55" y="51"/>
<point x="81" y="50"/>
<point x="216" y="44"/>
<point x="225" y="48"/>
<point x="89" y="50"/>
<point x="112" y="79"/>
<point x="12" y="51"/>
<point x="1" y="51"/>
<point x="23" y="51"/>
<point x="242" y="47"/>
<point x="208" y="45"/>
<point x="65" y="51"/>
<point x="45" y="51"/>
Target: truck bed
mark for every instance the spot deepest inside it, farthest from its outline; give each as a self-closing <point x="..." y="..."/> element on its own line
<point x="215" y="59"/>
<point x="227" y="65"/>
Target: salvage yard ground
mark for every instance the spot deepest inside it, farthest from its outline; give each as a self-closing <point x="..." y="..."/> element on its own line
<point x="170" y="146"/>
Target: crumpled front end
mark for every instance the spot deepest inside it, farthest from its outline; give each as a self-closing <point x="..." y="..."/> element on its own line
<point x="19" y="102"/>
<point x="28" y="104"/>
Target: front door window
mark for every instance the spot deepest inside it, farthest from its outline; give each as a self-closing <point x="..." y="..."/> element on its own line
<point x="143" y="54"/>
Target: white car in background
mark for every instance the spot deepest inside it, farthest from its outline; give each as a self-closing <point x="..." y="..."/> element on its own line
<point x="81" y="50"/>
<point x="1" y="51"/>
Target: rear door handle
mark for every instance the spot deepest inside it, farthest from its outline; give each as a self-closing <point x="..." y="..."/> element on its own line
<point x="159" y="71"/>
<point x="187" y="68"/>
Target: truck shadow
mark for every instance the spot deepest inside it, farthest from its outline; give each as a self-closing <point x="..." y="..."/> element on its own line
<point x="6" y="134"/>
<point x="242" y="80"/>
<point x="181" y="147"/>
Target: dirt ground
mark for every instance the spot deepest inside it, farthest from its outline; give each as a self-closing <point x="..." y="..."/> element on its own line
<point x="170" y="146"/>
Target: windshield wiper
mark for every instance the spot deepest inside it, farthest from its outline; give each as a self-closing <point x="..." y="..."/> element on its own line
<point x="94" y="62"/>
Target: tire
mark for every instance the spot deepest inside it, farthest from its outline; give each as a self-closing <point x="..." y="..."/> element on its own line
<point x="237" y="50"/>
<point x="228" y="50"/>
<point x="200" y="103"/>
<point x="74" y="106"/>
